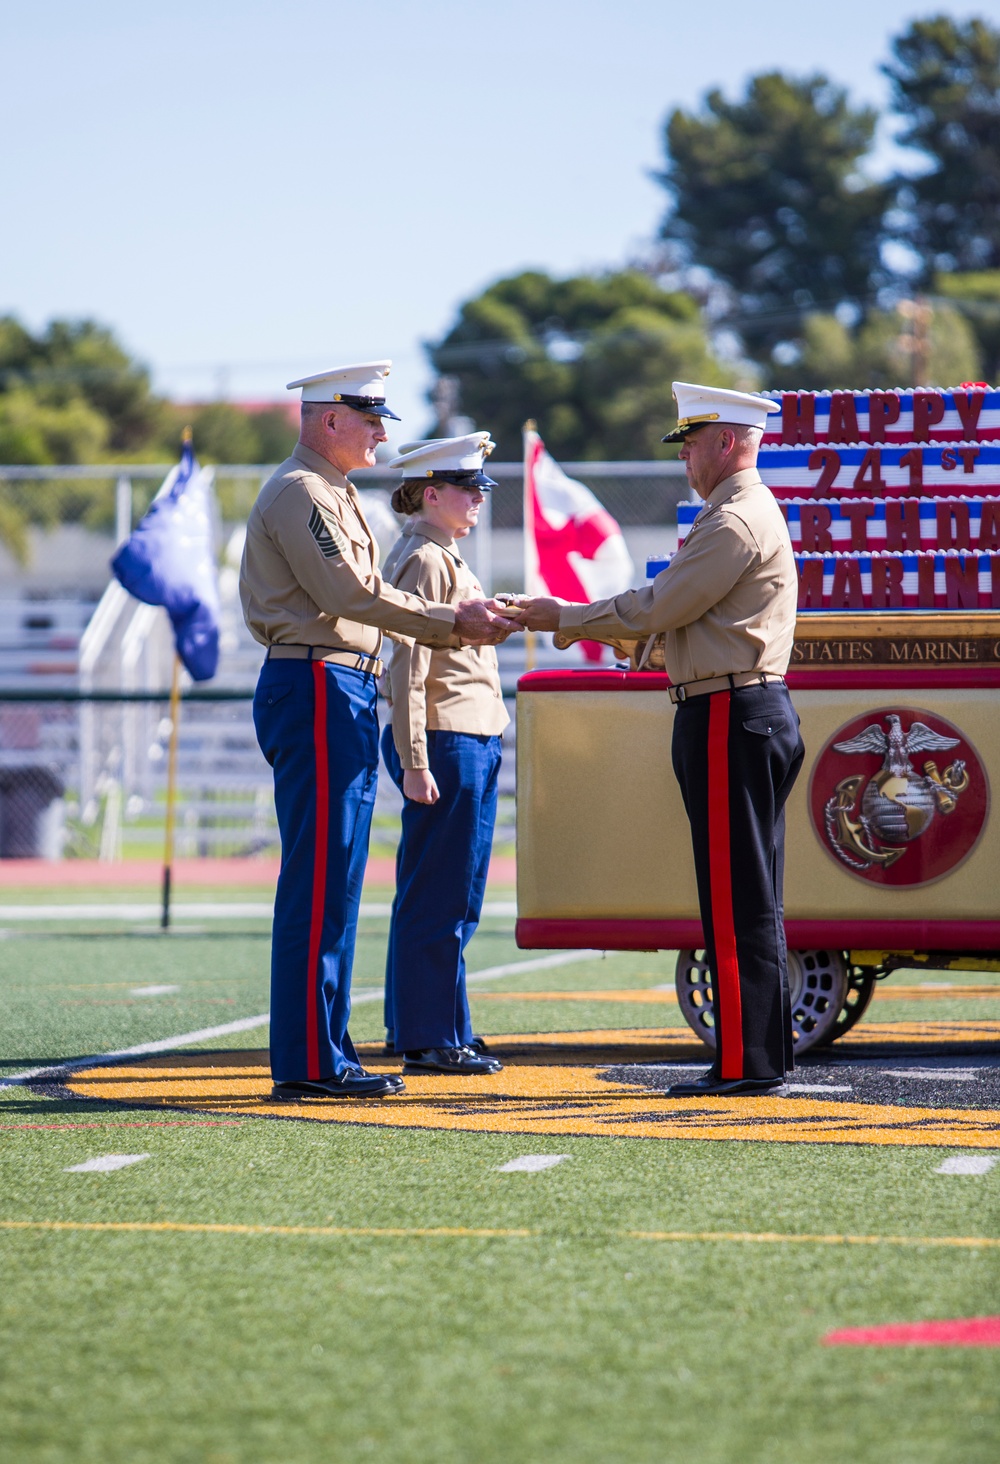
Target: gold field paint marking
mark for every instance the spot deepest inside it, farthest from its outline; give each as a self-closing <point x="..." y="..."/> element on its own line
<point x="640" y="994"/>
<point x="551" y="1084"/>
<point x="185" y="1227"/>
<point x="931" y="992"/>
<point x="668" y="997"/>
<point x="881" y="1034"/>
<point x="742" y="1237"/>
<point x="461" y="1232"/>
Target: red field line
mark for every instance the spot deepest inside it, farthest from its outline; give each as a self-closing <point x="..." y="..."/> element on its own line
<point x="141" y="1123"/>
<point x="964" y="1332"/>
<point x="188" y="874"/>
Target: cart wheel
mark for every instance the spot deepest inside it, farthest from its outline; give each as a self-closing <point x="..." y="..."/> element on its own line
<point x="819" y="987"/>
<point x="860" y="990"/>
<point x="693" y="981"/>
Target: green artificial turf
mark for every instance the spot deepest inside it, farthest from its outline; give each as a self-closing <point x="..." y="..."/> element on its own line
<point x="575" y="1342"/>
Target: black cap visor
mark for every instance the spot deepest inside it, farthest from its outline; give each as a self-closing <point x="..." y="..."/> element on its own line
<point x="372" y="406"/>
<point x="679" y="433"/>
<point x="474" y="478"/>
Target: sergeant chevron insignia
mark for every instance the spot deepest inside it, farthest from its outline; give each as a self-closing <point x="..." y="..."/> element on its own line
<point x="327" y="532"/>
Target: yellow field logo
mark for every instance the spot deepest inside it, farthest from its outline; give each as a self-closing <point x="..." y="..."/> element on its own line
<point x="612" y="1084"/>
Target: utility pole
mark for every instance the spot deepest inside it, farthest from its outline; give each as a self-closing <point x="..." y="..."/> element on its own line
<point x="919" y="312"/>
<point x="446" y="399"/>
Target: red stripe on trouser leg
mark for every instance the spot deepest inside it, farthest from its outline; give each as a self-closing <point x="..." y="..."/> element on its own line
<point x="319" y="869"/>
<point x="728" y="1009"/>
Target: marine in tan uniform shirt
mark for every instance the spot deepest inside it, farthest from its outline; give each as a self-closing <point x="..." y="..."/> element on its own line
<point x="452" y="690"/>
<point x="727" y="600"/>
<point x="443" y="751"/>
<point x="310" y="568"/>
<point x="725" y="606"/>
<point x="312" y="593"/>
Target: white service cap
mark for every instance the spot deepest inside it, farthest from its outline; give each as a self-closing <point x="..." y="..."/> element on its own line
<point x="697" y="405"/>
<point x="455" y="459"/>
<point x="405" y="447"/>
<point x="359" y="386"/>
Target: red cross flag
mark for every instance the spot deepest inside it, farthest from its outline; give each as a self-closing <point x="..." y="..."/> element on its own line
<point x="573" y="548"/>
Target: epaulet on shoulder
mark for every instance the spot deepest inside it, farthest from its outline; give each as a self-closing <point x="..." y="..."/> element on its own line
<point x="280" y="482"/>
<point x="421" y="547"/>
<point x="287" y="471"/>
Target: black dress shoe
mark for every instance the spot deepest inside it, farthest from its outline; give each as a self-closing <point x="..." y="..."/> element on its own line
<point x="461" y="1060"/>
<point x="355" y="1083"/>
<point x="478" y="1044"/>
<point x="390" y="1045"/>
<point x="711" y="1085"/>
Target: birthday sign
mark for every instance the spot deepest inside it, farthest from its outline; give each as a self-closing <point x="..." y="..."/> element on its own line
<point x="892" y="498"/>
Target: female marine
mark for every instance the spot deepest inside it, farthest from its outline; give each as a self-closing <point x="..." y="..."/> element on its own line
<point x="442" y="749"/>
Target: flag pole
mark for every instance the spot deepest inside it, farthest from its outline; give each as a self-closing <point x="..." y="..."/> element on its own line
<point x="530" y="551"/>
<point x="168" y="846"/>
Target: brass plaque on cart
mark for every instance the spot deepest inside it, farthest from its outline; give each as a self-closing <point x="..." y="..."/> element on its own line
<point x="824" y="641"/>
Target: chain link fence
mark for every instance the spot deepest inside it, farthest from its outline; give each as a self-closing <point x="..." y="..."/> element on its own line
<point x="83" y="776"/>
<point x="60" y="526"/>
<point x="84" y="720"/>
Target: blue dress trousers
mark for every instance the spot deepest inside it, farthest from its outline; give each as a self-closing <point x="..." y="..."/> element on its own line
<point x="441" y="867"/>
<point x="317" y="726"/>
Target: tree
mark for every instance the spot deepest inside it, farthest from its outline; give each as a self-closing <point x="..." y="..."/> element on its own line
<point x="276" y="434"/>
<point x="225" y="432"/>
<point x="590" y="358"/>
<point x="887" y="352"/>
<point x="72" y="395"/>
<point x="946" y="86"/>
<point x="82" y="358"/>
<point x="767" y="194"/>
<point x="879" y="352"/>
<point x="977" y="297"/>
<point x="33" y="431"/>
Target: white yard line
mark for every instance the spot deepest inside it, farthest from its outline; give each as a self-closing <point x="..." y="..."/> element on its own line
<point x="967" y="1164"/>
<point x="539" y="963"/>
<point x="934" y="1075"/>
<point x="184" y="910"/>
<point x="532" y="1163"/>
<point x="247" y="1024"/>
<point x="164" y="1044"/>
<point x="105" y="1164"/>
<point x="818" y="1088"/>
<point x="666" y="1066"/>
<point x="153" y="990"/>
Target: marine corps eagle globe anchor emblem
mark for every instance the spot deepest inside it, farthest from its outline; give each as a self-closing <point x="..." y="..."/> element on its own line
<point x="898" y="804"/>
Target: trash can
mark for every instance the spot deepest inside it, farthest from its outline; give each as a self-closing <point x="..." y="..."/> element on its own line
<point x="31" y="812"/>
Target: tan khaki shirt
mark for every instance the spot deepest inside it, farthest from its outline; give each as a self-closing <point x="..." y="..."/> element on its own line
<point x="442" y="690"/>
<point x="727" y="599"/>
<point x="310" y="576"/>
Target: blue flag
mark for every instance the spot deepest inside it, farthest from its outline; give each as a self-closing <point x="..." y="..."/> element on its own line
<point x="168" y="560"/>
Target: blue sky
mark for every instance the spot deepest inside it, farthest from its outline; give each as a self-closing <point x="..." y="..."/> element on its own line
<point x="251" y="191"/>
